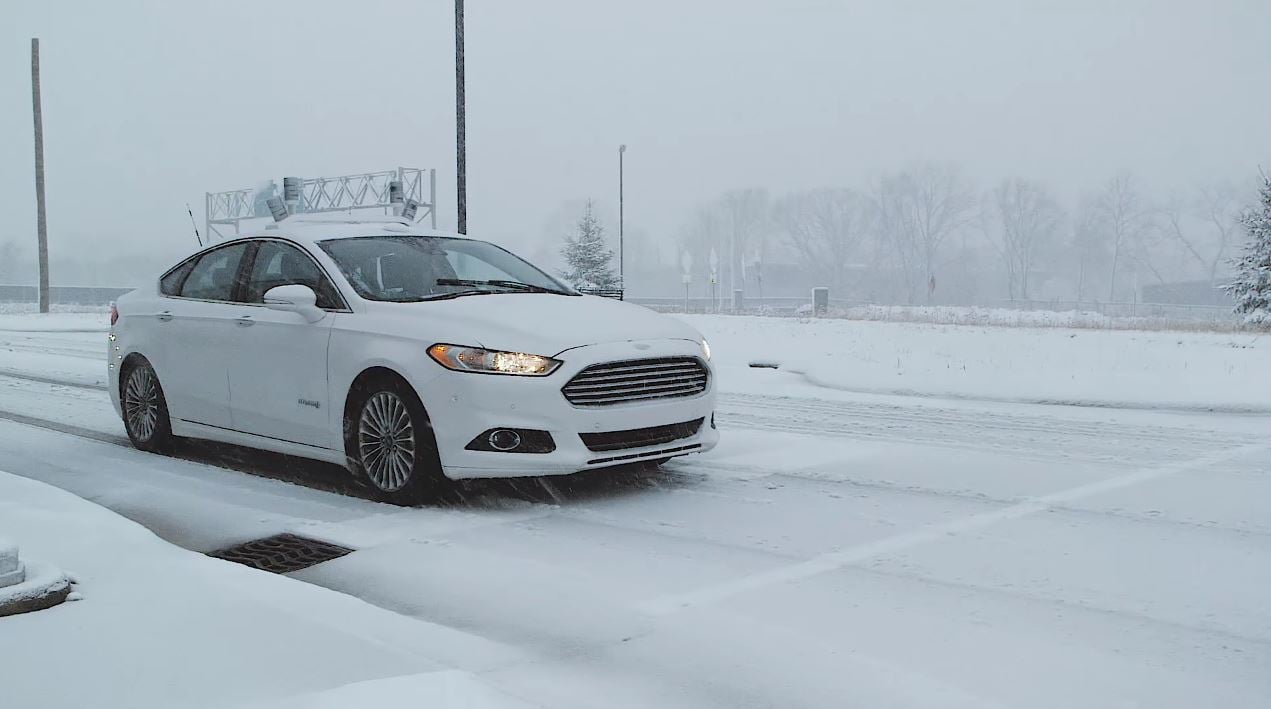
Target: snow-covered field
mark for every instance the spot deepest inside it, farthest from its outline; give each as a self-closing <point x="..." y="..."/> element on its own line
<point x="842" y="546"/>
<point x="1125" y="368"/>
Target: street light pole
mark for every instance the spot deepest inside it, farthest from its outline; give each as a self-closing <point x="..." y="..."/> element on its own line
<point x="461" y="147"/>
<point x="41" y="221"/>
<point x="621" y="252"/>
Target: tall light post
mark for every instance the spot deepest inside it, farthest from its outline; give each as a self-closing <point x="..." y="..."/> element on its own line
<point x="41" y="221"/>
<point x="461" y="147"/>
<point x="621" y="273"/>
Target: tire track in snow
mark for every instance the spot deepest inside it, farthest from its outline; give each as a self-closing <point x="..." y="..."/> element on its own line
<point x="50" y="380"/>
<point x="1029" y="436"/>
<point x="669" y="604"/>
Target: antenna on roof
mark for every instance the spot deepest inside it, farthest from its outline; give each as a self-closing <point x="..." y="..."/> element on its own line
<point x="193" y="224"/>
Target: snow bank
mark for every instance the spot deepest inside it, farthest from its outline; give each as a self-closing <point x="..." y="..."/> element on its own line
<point x="1131" y="369"/>
<point x="163" y="627"/>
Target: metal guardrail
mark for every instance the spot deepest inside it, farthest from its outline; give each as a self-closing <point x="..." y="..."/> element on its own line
<point x="62" y="295"/>
<point x="786" y="305"/>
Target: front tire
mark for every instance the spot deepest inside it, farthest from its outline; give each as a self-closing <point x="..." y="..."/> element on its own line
<point x="145" y="409"/>
<point x="390" y="444"/>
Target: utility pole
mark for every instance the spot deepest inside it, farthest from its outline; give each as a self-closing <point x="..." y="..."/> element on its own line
<point x="41" y="222"/>
<point x="461" y="147"/>
<point x="622" y="280"/>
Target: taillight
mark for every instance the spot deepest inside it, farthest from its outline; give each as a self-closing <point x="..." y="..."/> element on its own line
<point x="114" y="315"/>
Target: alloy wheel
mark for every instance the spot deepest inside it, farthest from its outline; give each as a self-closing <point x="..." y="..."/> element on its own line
<point x="386" y="441"/>
<point x="141" y="403"/>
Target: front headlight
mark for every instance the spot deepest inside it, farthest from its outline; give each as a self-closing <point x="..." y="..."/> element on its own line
<point x="706" y="350"/>
<point x="475" y="359"/>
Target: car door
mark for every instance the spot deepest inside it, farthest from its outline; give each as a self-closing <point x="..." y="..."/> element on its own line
<point x="196" y="325"/>
<point x="280" y="391"/>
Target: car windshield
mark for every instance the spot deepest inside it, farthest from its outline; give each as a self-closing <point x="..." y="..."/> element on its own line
<point x="414" y="268"/>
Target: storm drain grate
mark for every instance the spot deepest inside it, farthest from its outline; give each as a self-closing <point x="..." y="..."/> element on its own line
<point x="282" y="553"/>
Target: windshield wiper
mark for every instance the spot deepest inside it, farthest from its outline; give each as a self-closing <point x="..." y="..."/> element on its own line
<point x="512" y="285"/>
<point x="456" y="294"/>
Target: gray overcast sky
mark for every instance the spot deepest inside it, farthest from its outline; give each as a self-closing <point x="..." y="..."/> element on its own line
<point x="150" y="104"/>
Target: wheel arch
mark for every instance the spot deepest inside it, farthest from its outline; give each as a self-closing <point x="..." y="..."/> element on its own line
<point x="368" y="376"/>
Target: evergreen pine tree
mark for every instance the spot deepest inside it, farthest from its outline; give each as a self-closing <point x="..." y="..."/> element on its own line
<point x="1252" y="287"/>
<point x="590" y="262"/>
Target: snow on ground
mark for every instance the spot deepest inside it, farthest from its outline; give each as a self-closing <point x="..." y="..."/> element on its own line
<point x="158" y="626"/>
<point x="1224" y="371"/>
<point x="837" y="549"/>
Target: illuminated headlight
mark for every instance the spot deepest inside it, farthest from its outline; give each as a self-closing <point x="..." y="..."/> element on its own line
<point x="475" y="359"/>
<point x="706" y="350"/>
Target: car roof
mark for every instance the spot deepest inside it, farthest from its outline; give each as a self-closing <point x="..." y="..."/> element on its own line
<point x="311" y="229"/>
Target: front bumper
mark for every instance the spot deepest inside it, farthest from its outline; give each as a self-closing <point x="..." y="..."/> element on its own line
<point x="463" y="405"/>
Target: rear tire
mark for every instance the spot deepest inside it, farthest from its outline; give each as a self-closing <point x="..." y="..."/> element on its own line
<point x="145" y="409"/>
<point x="390" y="444"/>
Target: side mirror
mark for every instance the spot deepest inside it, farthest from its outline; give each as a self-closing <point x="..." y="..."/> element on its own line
<point x="295" y="298"/>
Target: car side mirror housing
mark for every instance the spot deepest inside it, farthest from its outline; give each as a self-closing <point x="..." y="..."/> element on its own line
<point x="295" y="298"/>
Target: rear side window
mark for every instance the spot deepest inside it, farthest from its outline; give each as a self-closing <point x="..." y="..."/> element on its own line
<point x="279" y="264"/>
<point x="214" y="274"/>
<point x="171" y="283"/>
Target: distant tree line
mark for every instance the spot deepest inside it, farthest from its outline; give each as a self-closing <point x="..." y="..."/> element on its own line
<point x="927" y="234"/>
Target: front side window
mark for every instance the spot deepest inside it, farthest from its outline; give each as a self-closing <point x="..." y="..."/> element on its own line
<point x="279" y="264"/>
<point x="414" y="268"/>
<point x="213" y="276"/>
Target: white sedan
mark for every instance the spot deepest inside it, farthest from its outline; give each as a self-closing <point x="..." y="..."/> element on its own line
<point x="408" y="356"/>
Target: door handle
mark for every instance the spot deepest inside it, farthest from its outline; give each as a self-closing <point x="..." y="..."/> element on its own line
<point x="245" y="321"/>
<point x="164" y="316"/>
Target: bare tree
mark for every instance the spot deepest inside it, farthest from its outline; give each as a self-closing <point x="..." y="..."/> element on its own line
<point x="705" y="229"/>
<point x="918" y="210"/>
<point x="1088" y="246"/>
<point x="1028" y="220"/>
<point x="1206" y="225"/>
<point x="1123" y="212"/>
<point x="10" y="259"/>
<point x="748" y="216"/>
<point x="826" y="227"/>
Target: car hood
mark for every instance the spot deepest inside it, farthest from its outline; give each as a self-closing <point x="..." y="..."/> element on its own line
<point x="539" y="323"/>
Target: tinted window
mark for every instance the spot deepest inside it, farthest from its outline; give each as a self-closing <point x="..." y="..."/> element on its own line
<point x="279" y="264"/>
<point x="171" y="283"/>
<point x="213" y="276"/>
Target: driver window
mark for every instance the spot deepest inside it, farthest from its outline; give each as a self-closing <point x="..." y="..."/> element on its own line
<point x="278" y="264"/>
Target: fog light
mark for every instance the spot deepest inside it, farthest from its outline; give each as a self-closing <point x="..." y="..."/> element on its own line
<point x="504" y="440"/>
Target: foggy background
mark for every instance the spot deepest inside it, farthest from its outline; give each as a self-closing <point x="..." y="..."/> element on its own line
<point x="734" y="113"/>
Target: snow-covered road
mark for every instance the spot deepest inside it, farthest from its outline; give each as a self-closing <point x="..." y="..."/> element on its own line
<point x="837" y="549"/>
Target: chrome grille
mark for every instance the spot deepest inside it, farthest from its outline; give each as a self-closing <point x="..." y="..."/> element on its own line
<point x="636" y="380"/>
